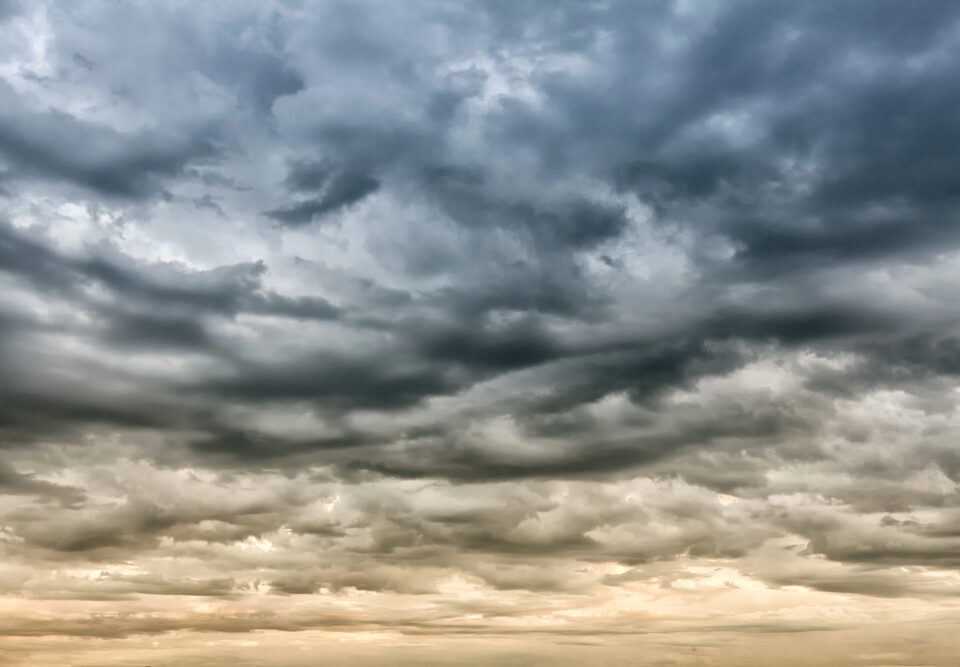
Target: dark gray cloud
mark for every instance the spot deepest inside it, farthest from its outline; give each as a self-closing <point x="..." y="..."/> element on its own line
<point x="57" y="147"/>
<point x="16" y="483"/>
<point x="340" y="190"/>
<point x="777" y="149"/>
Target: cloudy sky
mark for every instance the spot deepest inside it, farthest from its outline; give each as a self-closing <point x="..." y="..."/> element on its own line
<point x="507" y="333"/>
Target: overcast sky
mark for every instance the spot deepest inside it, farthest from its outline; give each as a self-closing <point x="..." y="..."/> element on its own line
<point x="502" y="332"/>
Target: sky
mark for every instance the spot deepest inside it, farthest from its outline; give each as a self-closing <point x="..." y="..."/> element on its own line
<point x="479" y="333"/>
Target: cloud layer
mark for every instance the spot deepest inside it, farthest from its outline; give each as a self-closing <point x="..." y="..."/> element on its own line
<point x="424" y="326"/>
